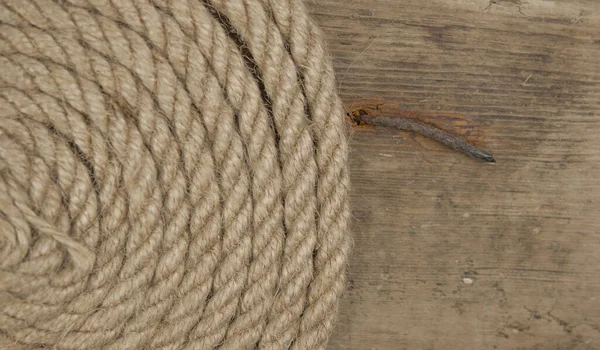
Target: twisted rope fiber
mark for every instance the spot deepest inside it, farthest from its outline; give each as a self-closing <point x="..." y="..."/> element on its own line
<point x="173" y="176"/>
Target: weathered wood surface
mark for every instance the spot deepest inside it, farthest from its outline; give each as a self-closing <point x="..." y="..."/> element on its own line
<point x="452" y="253"/>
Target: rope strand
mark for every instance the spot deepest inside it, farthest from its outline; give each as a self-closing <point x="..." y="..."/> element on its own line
<point x="173" y="176"/>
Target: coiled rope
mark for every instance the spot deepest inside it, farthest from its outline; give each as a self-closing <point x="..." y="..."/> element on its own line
<point x="173" y="176"/>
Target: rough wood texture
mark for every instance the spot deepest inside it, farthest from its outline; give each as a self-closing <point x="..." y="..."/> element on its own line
<point x="452" y="253"/>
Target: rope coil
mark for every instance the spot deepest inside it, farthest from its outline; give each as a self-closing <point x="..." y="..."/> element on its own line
<point x="173" y="176"/>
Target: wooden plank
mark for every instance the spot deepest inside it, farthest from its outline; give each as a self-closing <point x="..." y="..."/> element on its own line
<point x="450" y="252"/>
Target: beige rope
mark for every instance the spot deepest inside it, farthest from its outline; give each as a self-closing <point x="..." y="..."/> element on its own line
<point x="173" y="176"/>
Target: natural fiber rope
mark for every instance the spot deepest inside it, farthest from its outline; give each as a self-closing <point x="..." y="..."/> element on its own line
<point x="173" y="176"/>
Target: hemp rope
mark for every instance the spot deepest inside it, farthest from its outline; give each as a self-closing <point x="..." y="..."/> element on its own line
<point x="173" y="176"/>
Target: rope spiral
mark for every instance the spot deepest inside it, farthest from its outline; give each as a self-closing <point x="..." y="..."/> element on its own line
<point x="173" y="176"/>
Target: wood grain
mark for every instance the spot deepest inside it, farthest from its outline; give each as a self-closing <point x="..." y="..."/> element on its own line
<point x="452" y="253"/>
